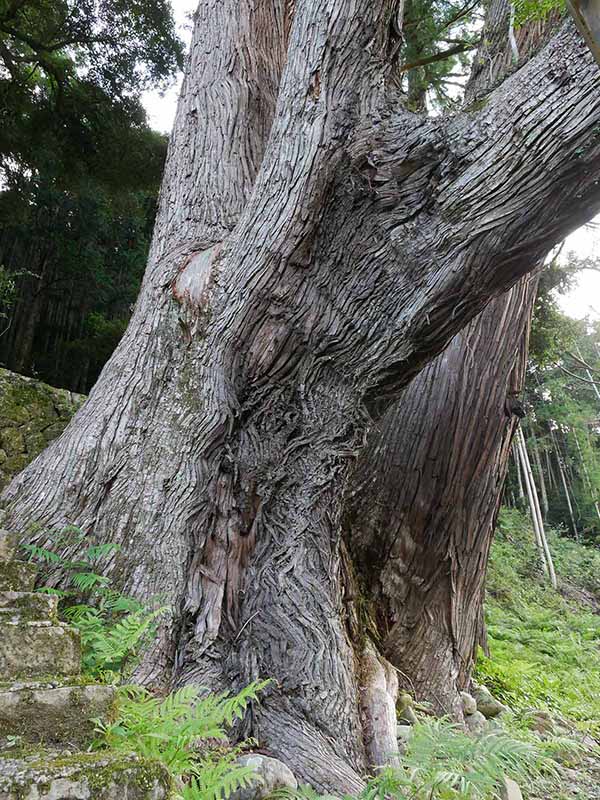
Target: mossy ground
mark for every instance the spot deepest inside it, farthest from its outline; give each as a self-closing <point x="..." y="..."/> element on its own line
<point x="544" y="645"/>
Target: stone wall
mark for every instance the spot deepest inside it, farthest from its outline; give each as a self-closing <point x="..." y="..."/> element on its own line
<point x="32" y="414"/>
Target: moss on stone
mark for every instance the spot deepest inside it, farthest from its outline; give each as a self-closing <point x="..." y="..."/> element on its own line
<point x="59" y="715"/>
<point x="28" y="606"/>
<point x="97" y="776"/>
<point x="33" y="649"/>
<point x="17" y="576"/>
<point x="32" y="414"/>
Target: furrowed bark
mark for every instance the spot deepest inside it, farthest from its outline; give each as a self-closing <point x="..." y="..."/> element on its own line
<point x="425" y="495"/>
<point x="434" y="660"/>
<point x="291" y="294"/>
<point x="127" y="468"/>
<point x="495" y="58"/>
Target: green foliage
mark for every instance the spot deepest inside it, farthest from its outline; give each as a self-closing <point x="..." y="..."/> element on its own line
<point x="432" y="29"/>
<point x="442" y="762"/>
<point x="178" y="731"/>
<point x="86" y="251"/>
<point x="76" y="203"/>
<point x="112" y="632"/>
<point x="7" y="292"/>
<point x="544" y="647"/>
<point x="552" y="332"/>
<point x="113" y="627"/>
<point x="526" y="10"/>
<point x="563" y="421"/>
<point x="81" y="574"/>
<point x="116" y="43"/>
<point x="75" y="69"/>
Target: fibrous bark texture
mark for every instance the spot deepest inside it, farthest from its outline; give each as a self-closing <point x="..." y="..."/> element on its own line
<point x="504" y="48"/>
<point x="316" y="246"/>
<point x="425" y="495"/>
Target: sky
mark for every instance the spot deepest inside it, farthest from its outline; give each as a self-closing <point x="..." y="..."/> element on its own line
<point x="581" y="301"/>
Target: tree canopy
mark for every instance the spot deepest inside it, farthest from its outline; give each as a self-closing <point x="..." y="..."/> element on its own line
<point x="71" y="74"/>
<point x="79" y="174"/>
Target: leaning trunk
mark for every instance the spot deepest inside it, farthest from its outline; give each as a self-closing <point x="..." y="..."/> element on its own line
<point x="425" y="496"/>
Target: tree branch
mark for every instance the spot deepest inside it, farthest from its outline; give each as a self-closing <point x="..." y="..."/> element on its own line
<point x="441" y="56"/>
<point x="582" y="362"/>
<point x="577" y="377"/>
<point x="490" y="192"/>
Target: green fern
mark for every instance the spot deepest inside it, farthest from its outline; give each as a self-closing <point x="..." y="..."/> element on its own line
<point x="528" y="10"/>
<point x="216" y="778"/>
<point x="109" y="644"/>
<point x="113" y="627"/>
<point x="175" y="730"/>
<point x="443" y="762"/>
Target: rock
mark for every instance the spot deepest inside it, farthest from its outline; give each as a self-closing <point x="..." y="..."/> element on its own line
<point x="8" y="545"/>
<point x="17" y="576"/>
<point x="487" y="703"/>
<point x="476" y="722"/>
<point x="31" y="415"/>
<point x="408" y="716"/>
<point x="27" y="607"/>
<point x="37" y="650"/>
<point x="540" y="721"/>
<point x="510" y="790"/>
<point x="403" y="733"/>
<point x="406" y="713"/>
<point x="271" y="774"/>
<point x="493" y="724"/>
<point x="83" y="777"/>
<point x="63" y="715"/>
<point x="469" y="706"/>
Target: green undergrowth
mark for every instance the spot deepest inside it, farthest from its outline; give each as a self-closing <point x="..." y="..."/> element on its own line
<point x="544" y="645"/>
<point x="187" y="732"/>
<point x="113" y="627"/>
<point x="443" y="763"/>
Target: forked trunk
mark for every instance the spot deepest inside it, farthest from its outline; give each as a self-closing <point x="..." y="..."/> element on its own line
<point x="315" y="247"/>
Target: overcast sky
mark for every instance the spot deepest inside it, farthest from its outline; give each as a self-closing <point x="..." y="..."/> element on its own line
<point x="583" y="300"/>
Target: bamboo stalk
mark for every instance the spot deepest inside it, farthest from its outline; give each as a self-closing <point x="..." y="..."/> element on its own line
<point x="536" y="514"/>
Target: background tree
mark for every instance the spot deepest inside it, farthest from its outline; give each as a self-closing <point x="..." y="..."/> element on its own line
<point x="76" y="259"/>
<point x="439" y="38"/>
<point x="562" y="431"/>
<point x="79" y="173"/>
<point x="312" y="253"/>
<point x="74" y="72"/>
<point x="425" y="496"/>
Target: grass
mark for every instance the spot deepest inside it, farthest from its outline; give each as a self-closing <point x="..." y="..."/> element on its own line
<point x="544" y="646"/>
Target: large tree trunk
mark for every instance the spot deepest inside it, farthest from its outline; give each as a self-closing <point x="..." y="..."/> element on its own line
<point x="423" y="502"/>
<point x="315" y="247"/>
<point x="425" y="495"/>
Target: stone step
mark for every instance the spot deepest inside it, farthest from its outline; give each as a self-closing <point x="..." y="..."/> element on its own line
<point x="28" y="607"/>
<point x="8" y="545"/>
<point x="98" y="776"/>
<point x="17" y="576"/>
<point x="38" y="650"/>
<point x="40" y="713"/>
